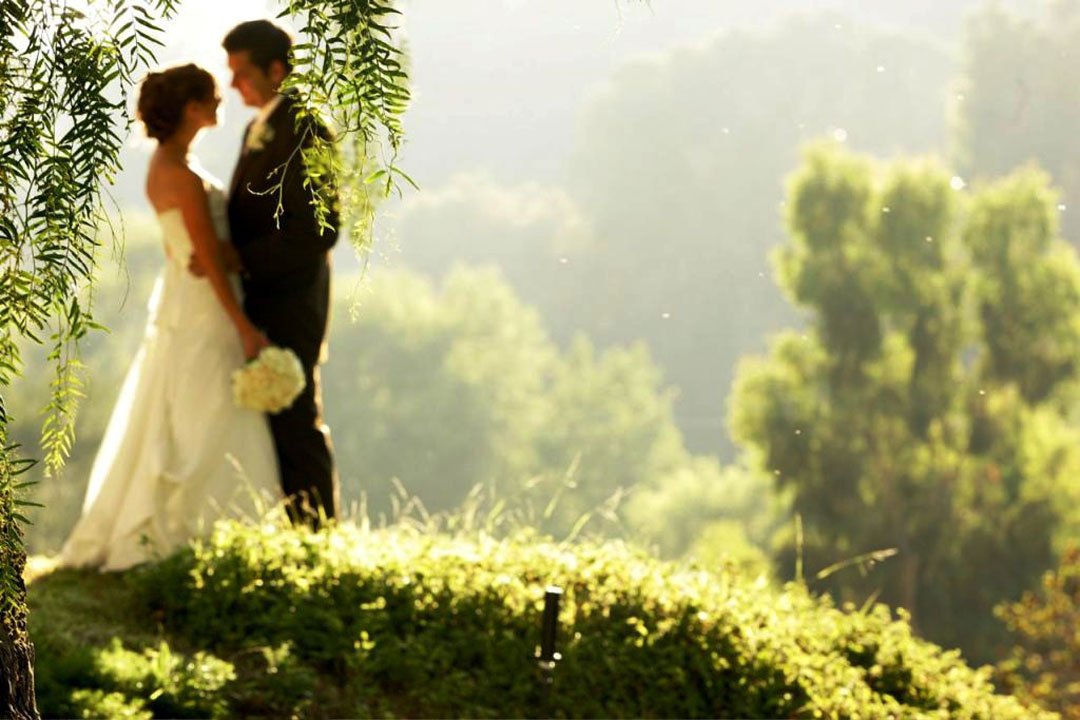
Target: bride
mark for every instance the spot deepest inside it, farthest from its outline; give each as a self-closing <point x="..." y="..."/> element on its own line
<point x="178" y="452"/>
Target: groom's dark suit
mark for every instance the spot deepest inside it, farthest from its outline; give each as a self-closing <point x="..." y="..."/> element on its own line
<point x="286" y="284"/>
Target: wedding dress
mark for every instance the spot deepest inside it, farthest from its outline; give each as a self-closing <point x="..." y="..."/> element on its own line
<point x="177" y="453"/>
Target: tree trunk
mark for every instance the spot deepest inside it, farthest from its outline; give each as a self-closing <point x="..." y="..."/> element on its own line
<point x="16" y="678"/>
<point x="17" y="657"/>
<point x="909" y="585"/>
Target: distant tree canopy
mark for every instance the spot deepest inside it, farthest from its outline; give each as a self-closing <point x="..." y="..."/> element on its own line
<point x="461" y="386"/>
<point x="1017" y="103"/>
<point x="924" y="407"/>
<point x="710" y="514"/>
<point x="686" y="205"/>
<point x="670" y="206"/>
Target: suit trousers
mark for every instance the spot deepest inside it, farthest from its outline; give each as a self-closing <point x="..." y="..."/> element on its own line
<point x="305" y="455"/>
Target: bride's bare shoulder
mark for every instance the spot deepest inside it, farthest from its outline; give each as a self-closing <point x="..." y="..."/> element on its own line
<point x="169" y="180"/>
<point x="200" y="171"/>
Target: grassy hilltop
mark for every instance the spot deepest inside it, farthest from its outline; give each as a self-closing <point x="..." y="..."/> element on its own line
<point x="267" y="621"/>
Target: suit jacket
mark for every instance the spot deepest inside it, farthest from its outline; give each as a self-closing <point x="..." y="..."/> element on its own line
<point x="286" y="258"/>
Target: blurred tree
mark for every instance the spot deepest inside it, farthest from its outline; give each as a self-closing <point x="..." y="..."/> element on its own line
<point x="1044" y="667"/>
<point x="444" y="390"/>
<point x="1016" y="101"/>
<point x="714" y="515"/>
<point x="906" y="416"/>
<point x="662" y="230"/>
<point x="610" y="429"/>
<point x="685" y="204"/>
<point x="439" y="391"/>
<point x="535" y="234"/>
<point x="1027" y="287"/>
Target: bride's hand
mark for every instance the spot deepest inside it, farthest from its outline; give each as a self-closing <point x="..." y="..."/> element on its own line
<point x="230" y="259"/>
<point x="253" y="340"/>
<point x="195" y="267"/>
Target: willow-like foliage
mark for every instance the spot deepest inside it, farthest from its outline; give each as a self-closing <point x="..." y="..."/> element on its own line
<point x="348" y="67"/>
<point x="64" y="75"/>
<point x="66" y="69"/>
<point x="62" y="99"/>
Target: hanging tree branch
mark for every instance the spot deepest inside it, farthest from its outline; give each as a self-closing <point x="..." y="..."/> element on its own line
<point x="66" y="70"/>
<point x="348" y="66"/>
<point x="64" y="78"/>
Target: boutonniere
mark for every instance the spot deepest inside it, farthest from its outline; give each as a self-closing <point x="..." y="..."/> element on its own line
<point x="259" y="137"/>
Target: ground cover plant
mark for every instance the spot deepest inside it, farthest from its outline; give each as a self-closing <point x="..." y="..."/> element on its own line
<point x="268" y="621"/>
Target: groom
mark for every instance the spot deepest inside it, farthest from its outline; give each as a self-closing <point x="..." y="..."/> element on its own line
<point x="284" y="255"/>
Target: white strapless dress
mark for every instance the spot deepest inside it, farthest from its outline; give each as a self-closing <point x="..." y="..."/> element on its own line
<point x="178" y="453"/>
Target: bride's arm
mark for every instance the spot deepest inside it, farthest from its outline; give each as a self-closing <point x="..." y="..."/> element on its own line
<point x="195" y="208"/>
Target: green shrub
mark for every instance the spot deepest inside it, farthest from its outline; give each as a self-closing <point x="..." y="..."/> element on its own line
<point x="1043" y="666"/>
<point x="93" y="704"/>
<point x="448" y="626"/>
<point x="116" y="682"/>
<point x="178" y="686"/>
<point x="396" y="622"/>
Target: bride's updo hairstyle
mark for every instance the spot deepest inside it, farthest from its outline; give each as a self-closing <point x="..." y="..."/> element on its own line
<point x="164" y="95"/>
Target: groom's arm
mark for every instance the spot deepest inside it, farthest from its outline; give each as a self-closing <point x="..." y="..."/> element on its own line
<point x="298" y="240"/>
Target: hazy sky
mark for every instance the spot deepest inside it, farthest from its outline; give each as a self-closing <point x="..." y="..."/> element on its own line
<point x="499" y="85"/>
<point x="481" y="68"/>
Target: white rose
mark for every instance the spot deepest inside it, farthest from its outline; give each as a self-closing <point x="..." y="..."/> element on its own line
<point x="270" y="382"/>
<point x="258" y="137"/>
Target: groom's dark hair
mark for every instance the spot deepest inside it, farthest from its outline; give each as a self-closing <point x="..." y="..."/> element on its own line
<point x="264" y="42"/>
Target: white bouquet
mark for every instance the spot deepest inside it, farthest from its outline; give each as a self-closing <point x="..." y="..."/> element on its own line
<point x="269" y="383"/>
